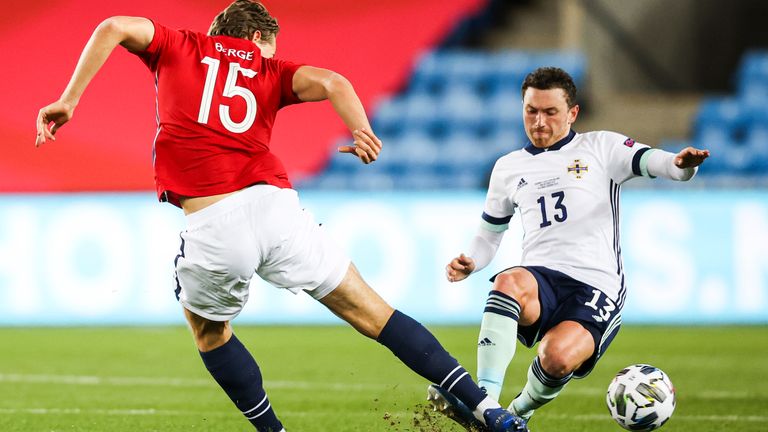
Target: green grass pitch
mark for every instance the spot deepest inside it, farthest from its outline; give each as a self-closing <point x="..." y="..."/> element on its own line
<point x="331" y="379"/>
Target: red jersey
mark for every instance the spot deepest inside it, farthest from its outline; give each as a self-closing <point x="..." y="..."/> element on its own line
<point x="217" y="99"/>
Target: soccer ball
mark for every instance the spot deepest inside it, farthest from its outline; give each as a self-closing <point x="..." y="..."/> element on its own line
<point x="641" y="398"/>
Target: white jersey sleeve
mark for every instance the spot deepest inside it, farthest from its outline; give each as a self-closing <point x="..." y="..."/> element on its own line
<point x="623" y="156"/>
<point x="498" y="209"/>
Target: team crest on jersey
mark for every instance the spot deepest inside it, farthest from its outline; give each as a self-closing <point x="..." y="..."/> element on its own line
<point x="522" y="183"/>
<point x="578" y="168"/>
<point x="629" y="142"/>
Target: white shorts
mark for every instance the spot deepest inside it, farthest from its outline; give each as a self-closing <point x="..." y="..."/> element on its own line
<point x="262" y="230"/>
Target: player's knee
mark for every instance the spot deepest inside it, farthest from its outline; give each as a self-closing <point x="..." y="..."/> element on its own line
<point x="513" y="283"/>
<point x="210" y="335"/>
<point x="558" y="360"/>
<point x="556" y="364"/>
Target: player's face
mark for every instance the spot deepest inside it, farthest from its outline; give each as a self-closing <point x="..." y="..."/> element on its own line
<point x="546" y="116"/>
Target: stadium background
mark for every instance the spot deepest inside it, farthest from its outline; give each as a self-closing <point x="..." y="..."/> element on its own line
<point x="83" y="241"/>
<point x="441" y="83"/>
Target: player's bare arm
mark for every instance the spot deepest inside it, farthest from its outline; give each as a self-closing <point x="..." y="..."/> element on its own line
<point x="316" y="84"/>
<point x="459" y="268"/>
<point x="690" y="157"/>
<point x="133" y="33"/>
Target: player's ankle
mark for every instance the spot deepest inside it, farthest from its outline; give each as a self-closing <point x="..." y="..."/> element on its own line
<point x="523" y="414"/>
<point x="486" y="404"/>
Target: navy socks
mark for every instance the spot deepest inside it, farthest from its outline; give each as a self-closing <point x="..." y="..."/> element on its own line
<point x="418" y="349"/>
<point x="233" y="367"/>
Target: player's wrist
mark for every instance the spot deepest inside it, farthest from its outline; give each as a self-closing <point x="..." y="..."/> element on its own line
<point x="69" y="101"/>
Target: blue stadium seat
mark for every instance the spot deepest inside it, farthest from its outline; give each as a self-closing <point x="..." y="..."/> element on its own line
<point x="738" y="160"/>
<point x="326" y="181"/>
<point x="462" y="111"/>
<point x="726" y="113"/>
<point x="718" y="141"/>
<point x="505" y="109"/>
<point x="753" y="92"/>
<point x="735" y="128"/>
<point x="507" y="139"/>
<point x="753" y="66"/>
<point x="572" y="62"/>
<point x="756" y="146"/>
<point x="418" y="179"/>
<point x="388" y="116"/>
<point x="342" y="162"/>
<point x="419" y="113"/>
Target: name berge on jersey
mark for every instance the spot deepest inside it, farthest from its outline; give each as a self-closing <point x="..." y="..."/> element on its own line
<point x="231" y="52"/>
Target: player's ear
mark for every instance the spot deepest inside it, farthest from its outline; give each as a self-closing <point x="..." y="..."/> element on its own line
<point x="573" y="112"/>
<point x="256" y="36"/>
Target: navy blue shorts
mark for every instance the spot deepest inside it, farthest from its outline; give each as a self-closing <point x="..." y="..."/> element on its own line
<point x="563" y="298"/>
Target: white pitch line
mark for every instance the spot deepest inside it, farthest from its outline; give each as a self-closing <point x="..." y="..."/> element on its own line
<point x="177" y="382"/>
<point x="701" y="395"/>
<point x="89" y="411"/>
<point x="154" y="412"/>
<point x="702" y="418"/>
<point x="196" y="413"/>
<point x="310" y="385"/>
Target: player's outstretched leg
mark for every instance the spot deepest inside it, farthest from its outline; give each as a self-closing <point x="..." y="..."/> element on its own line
<point x="235" y="370"/>
<point x="355" y="302"/>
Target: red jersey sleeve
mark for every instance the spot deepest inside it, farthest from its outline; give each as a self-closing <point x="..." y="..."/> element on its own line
<point x="287" y="70"/>
<point x="163" y="38"/>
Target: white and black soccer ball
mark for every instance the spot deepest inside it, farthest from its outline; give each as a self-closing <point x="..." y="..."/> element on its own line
<point x="641" y="398"/>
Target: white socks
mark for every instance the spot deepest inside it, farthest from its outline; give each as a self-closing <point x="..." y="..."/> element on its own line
<point x="539" y="390"/>
<point x="497" y="341"/>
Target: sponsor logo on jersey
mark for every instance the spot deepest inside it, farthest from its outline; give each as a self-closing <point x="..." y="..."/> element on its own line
<point x="629" y="142"/>
<point x="522" y="183"/>
<point x="578" y="168"/>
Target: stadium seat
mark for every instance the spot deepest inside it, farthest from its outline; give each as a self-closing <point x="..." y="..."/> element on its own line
<point x="388" y="116"/>
<point x="753" y="67"/>
<point x="735" y="128"/>
<point x="756" y="147"/>
<point x="460" y="112"/>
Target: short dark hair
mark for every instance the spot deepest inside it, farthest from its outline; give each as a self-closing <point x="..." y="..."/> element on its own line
<point x="242" y="19"/>
<point x="547" y="78"/>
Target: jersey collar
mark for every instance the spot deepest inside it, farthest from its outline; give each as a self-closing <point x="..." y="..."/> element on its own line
<point x="532" y="149"/>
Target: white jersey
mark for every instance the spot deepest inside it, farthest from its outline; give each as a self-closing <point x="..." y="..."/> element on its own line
<point x="568" y="198"/>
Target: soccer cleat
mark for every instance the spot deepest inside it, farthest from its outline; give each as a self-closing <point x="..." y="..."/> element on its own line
<point x="450" y="406"/>
<point x="501" y="420"/>
<point x="496" y="419"/>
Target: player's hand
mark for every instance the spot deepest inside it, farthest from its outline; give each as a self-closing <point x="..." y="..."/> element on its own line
<point x="57" y="113"/>
<point x="459" y="268"/>
<point x="690" y="157"/>
<point x="366" y="146"/>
